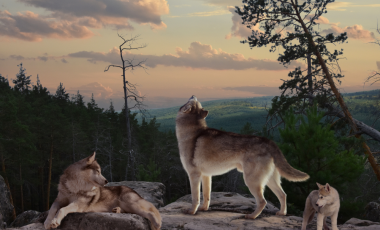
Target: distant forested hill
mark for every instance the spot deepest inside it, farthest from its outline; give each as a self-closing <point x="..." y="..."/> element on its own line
<point x="232" y="114"/>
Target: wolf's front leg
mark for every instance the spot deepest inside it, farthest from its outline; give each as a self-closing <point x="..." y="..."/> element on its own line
<point x="52" y="211"/>
<point x="73" y="207"/>
<point x="320" y="219"/>
<point x="334" y="221"/>
<point x="195" y="181"/>
<point x="206" y="189"/>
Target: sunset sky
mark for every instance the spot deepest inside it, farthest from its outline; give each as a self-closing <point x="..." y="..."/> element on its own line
<point x="193" y="48"/>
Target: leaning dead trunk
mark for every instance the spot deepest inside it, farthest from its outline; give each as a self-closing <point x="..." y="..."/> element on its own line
<point x="371" y="159"/>
<point x="49" y="177"/>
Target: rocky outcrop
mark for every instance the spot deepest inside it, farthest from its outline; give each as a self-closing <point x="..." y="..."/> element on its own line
<point x="372" y="211"/>
<point x="227" y="211"/>
<point x="25" y="218"/>
<point x="6" y="208"/>
<point x="151" y="191"/>
<point x="97" y="221"/>
<point x="232" y="217"/>
<point x="354" y="223"/>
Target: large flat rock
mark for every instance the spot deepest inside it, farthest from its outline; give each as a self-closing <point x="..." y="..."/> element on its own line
<point x="234" y="205"/>
<point x="97" y="221"/>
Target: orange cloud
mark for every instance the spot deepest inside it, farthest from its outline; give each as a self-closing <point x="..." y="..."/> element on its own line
<point x="238" y="29"/>
<point x="104" y="12"/>
<point x="355" y="32"/>
<point x="198" y="56"/>
<point x="32" y="27"/>
<point x="99" y="90"/>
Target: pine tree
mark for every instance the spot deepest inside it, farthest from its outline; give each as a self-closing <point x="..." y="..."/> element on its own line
<point x="313" y="148"/>
<point x="247" y="129"/>
<point x="61" y="94"/>
<point x="22" y="82"/>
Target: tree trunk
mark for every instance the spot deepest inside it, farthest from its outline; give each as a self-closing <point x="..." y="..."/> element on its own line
<point x="309" y="78"/>
<point x="41" y="188"/>
<point x="9" y="188"/>
<point x="371" y="159"/>
<point x="126" y="101"/>
<point x="72" y="128"/>
<point x="21" y="191"/>
<point x="49" y="177"/>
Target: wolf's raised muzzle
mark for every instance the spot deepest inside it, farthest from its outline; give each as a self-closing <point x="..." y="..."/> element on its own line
<point x="193" y="98"/>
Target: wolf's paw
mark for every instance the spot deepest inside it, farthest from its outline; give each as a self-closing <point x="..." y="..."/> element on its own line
<point x="47" y="224"/>
<point x="155" y="226"/>
<point x="54" y="223"/>
<point x="250" y="216"/>
<point x="188" y="211"/>
<point x="116" y="210"/>
<point x="279" y="213"/>
<point x="203" y="208"/>
<point x="326" y="228"/>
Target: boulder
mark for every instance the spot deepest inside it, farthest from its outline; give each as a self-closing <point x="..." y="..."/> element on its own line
<point x="150" y="191"/>
<point x="372" y="211"/>
<point x="6" y="208"/>
<point x="25" y="218"/>
<point x="96" y="221"/>
<point x="358" y="224"/>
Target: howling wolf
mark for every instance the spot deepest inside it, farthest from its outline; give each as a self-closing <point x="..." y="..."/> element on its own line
<point x="81" y="189"/>
<point x="206" y="152"/>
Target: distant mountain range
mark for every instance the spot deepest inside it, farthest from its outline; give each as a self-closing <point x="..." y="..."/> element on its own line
<point x="232" y="114"/>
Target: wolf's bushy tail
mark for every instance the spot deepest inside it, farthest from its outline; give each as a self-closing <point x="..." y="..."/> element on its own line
<point x="284" y="168"/>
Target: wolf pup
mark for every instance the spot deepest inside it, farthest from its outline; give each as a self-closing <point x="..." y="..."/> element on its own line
<point x="205" y="152"/>
<point x="81" y="189"/>
<point x="326" y="202"/>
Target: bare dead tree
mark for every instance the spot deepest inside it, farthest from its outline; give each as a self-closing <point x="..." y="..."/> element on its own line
<point x="129" y="88"/>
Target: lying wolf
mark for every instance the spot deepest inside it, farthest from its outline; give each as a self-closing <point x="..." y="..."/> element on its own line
<point x="205" y="152"/>
<point x="326" y="202"/>
<point x="81" y="189"/>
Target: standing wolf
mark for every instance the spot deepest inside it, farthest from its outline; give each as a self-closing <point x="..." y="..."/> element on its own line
<point x="81" y="189"/>
<point x="326" y="202"/>
<point x="205" y="152"/>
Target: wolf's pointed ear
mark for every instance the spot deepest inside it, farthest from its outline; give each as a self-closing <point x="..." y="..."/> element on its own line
<point x="319" y="185"/>
<point x="327" y="187"/>
<point x="204" y="113"/>
<point x="91" y="158"/>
